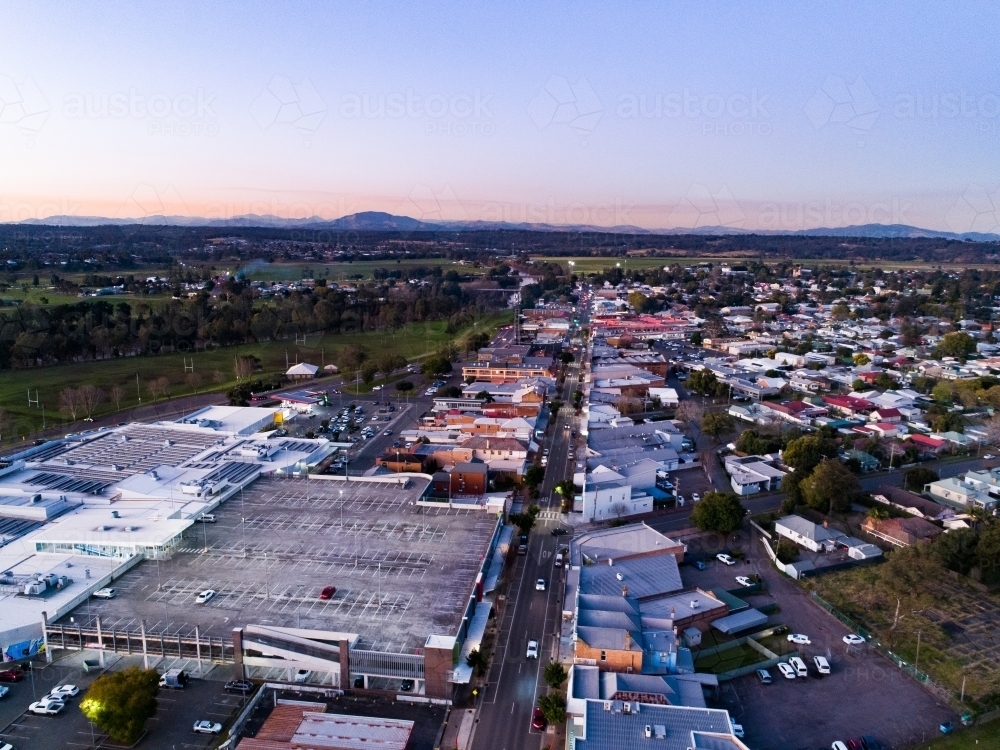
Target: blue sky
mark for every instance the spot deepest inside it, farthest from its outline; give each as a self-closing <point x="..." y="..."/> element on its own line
<point x="763" y="115"/>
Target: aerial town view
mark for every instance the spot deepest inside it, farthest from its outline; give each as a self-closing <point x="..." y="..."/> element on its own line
<point x="446" y="376"/>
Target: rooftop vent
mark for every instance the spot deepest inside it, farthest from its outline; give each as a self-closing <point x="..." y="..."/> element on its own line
<point x="115" y="514"/>
<point x="36" y="499"/>
<point x="619" y="576"/>
<point x="694" y="604"/>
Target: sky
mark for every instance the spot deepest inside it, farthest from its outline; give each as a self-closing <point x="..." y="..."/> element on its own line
<point x="763" y="115"/>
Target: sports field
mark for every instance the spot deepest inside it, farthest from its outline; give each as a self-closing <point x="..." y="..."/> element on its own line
<point x="412" y="342"/>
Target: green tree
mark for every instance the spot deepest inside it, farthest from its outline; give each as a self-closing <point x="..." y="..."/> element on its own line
<point x="957" y="549"/>
<point x="478" y="661"/>
<point x="697" y="338"/>
<point x="716" y="424"/>
<point x="915" y="478"/>
<point x="121" y="703"/>
<point x="436" y="365"/>
<point x="718" y="511"/>
<point x="861" y="359"/>
<point x="640" y="302"/>
<point x="534" y="475"/>
<point x="555" y="675"/>
<point x="805" y="453"/>
<point x="787" y="551"/>
<point x="950" y="422"/>
<point x="404" y="386"/>
<point x="368" y="370"/>
<point x="553" y="707"/>
<point x="567" y="357"/>
<point x="523" y="521"/>
<point x="831" y="487"/>
<point x="943" y="392"/>
<point x="958" y="345"/>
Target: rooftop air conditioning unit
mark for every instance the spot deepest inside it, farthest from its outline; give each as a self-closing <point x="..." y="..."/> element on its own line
<point x="694" y="604"/>
<point x="36" y="499"/>
<point x="618" y="576"/>
<point x="115" y="514"/>
<point x="607" y="705"/>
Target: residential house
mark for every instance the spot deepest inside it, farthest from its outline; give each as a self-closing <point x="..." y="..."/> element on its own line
<point x="750" y="474"/>
<point x="902" y="532"/>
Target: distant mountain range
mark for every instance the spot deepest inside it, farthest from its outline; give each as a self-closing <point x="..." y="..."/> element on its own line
<point x="379" y="221"/>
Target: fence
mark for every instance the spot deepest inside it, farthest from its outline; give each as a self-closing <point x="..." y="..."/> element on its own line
<point x="770" y="658"/>
<point x="922" y="677"/>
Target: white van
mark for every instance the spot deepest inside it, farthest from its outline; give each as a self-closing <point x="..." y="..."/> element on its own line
<point x="559" y="560"/>
<point x="799" y="666"/>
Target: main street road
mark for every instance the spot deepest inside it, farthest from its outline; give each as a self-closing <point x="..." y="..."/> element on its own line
<point x="515" y="682"/>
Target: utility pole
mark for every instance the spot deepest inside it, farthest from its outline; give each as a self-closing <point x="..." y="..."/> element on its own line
<point x="138" y="393"/>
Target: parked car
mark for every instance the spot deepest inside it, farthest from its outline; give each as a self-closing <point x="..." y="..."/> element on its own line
<point x="532" y="652"/>
<point x="838" y="745"/>
<point x="724" y="558"/>
<point x="406" y="686"/>
<point x="700" y="564"/>
<point x="764" y="676"/>
<point x="302" y="675"/>
<point x="852" y="639"/>
<point x="695" y="497"/>
<point x="204" y="726"/>
<point x="239" y="686"/>
<point x="105" y="594"/>
<point x="327" y="592"/>
<point x="946" y="728"/>
<point x="64" y="692"/>
<point x="744" y="581"/>
<point x="3" y="691"/>
<point x="786" y="671"/>
<point x="799" y="639"/>
<point x="799" y="666"/>
<point x="47" y="706"/>
<point x="737" y="729"/>
<point x="540" y="584"/>
<point x="12" y="675"/>
<point x="823" y="667"/>
<point x="538" y="720"/>
<point x="870" y="743"/>
<point x="205" y="596"/>
<point x="559" y="531"/>
<point x="855" y="744"/>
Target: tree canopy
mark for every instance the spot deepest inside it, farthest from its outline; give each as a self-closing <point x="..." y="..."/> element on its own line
<point x="121" y="703"/>
<point x="718" y="511"/>
<point x="830" y="487"/>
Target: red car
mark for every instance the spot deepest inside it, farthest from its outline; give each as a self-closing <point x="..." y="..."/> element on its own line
<point x="538" y="720"/>
<point x="327" y="593"/>
<point x="11" y="675"/>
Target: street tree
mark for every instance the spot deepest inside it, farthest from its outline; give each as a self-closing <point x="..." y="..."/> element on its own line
<point x="368" y="370"/>
<point x="915" y="479"/>
<point x="120" y="703"/>
<point x="534" y="475"/>
<point x="715" y="424"/>
<point x="718" y="511"/>
<point x="804" y="454"/>
<point x="117" y="394"/>
<point x="830" y="487"/>
<point x="553" y="707"/>
<point x="243" y="367"/>
<point x="555" y="675"/>
<point x="404" y="386"/>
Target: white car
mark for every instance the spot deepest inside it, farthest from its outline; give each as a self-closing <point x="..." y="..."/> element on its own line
<point x="744" y="581"/>
<point x="799" y="639"/>
<point x="822" y="665"/>
<point x="540" y="584"/>
<point x="786" y="670"/>
<point x="737" y="729"/>
<point x="989" y="456"/>
<point x="532" y="652"/>
<point x="62" y="692"/>
<point x="838" y="745"/>
<point x="724" y="558"/>
<point x="3" y="694"/>
<point x="302" y="675"/>
<point x="204" y="596"/>
<point x="207" y="727"/>
<point x="852" y="639"/>
<point x="47" y="705"/>
<point x="695" y="497"/>
<point x="105" y="594"/>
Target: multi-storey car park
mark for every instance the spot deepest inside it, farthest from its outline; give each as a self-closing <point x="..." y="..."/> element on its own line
<point x="335" y="581"/>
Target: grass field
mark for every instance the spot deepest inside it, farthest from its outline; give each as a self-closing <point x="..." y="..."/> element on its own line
<point x="973" y="738"/>
<point x="413" y="342"/>
<point x="343" y="271"/>
<point x="731" y="658"/>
